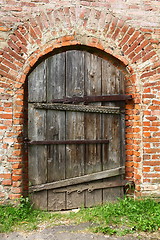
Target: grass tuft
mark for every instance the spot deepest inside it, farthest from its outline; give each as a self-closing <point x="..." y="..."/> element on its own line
<point x="120" y="218"/>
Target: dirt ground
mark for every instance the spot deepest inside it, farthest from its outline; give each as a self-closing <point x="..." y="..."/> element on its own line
<point x="72" y="232"/>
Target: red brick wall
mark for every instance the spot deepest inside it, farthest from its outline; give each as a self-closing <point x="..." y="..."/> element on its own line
<point x="128" y="30"/>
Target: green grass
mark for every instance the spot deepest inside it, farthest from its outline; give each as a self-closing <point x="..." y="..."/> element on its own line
<point x="122" y="217"/>
<point x="24" y="217"/>
<point x="125" y="216"/>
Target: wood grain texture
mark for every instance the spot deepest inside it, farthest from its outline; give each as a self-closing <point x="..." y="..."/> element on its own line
<point x="37" y="84"/>
<point x="56" y="84"/>
<point x="55" y="120"/>
<point x="74" y="123"/>
<point x="112" y="83"/>
<point x="93" y="156"/>
<point x="37" y="155"/>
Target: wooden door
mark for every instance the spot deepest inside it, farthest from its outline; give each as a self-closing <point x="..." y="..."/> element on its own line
<point x="75" y="131"/>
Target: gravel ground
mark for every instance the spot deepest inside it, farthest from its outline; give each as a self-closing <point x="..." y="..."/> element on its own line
<point x="72" y="232"/>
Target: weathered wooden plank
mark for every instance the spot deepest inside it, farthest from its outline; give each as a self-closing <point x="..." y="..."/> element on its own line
<point x="74" y="123"/>
<point x="56" y="154"/>
<point x="122" y="84"/>
<point x="122" y="137"/>
<point x="37" y="84"/>
<point x="122" y="145"/>
<point x="56" y="157"/>
<point x="56" y="201"/>
<point x="111" y="127"/>
<point x="39" y="200"/>
<point x="93" y="124"/>
<point x="74" y="73"/>
<point x="56" y="76"/>
<point x="37" y="155"/>
<point x="112" y="82"/>
<point x="89" y="99"/>
<point x="111" y="194"/>
<point x="78" y="180"/>
<point x="56" y="128"/>
<point x="93" y="151"/>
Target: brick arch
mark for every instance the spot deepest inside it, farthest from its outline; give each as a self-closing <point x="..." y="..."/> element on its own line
<point x="30" y="41"/>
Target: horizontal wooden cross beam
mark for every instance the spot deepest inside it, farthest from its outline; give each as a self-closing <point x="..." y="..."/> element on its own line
<point x="88" y="99"/>
<point x="77" y="180"/>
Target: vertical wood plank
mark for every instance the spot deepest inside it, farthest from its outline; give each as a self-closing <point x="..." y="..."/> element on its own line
<point x="37" y="131"/>
<point x="112" y="83"/>
<point x="56" y="153"/>
<point x="37" y="154"/>
<point x="56" y="128"/>
<point x="92" y="123"/>
<point x="74" y="123"/>
<point x="56" y="76"/>
<point x="37" y="84"/>
<point x="112" y="79"/>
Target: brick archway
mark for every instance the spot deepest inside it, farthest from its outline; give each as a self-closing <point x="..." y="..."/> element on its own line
<point x="38" y="37"/>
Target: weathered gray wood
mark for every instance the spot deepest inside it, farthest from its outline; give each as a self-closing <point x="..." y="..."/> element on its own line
<point x="122" y="145"/>
<point x="111" y="194"/>
<point x="56" y="157"/>
<point x="37" y="154"/>
<point x="78" y="180"/>
<point x="74" y="73"/>
<point x="113" y="79"/>
<point x="111" y="129"/>
<point x="91" y="99"/>
<point x="56" y="154"/>
<point x="74" y="123"/>
<point x="56" y="201"/>
<point x="122" y="137"/>
<point x="39" y="200"/>
<point x="37" y="84"/>
<point x="37" y="121"/>
<point x="56" y="128"/>
<point x="56" y="76"/>
<point x="93" y="124"/>
<point x="112" y="153"/>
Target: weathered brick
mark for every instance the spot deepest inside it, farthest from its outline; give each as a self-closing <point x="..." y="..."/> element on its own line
<point x="15" y="196"/>
<point x="148" y="56"/>
<point x="5" y="175"/>
<point x="7" y="182"/>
